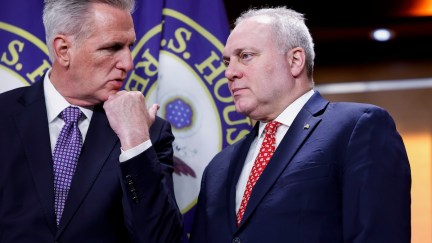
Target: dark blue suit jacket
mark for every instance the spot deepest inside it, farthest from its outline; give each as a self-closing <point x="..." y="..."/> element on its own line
<point x="340" y="174"/>
<point x="108" y="201"/>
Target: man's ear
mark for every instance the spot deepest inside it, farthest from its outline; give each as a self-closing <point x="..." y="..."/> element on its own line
<point x="296" y="59"/>
<point x="61" y="49"/>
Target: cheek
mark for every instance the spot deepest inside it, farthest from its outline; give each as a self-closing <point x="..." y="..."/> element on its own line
<point x="97" y="62"/>
<point x="270" y="70"/>
<point x="263" y="79"/>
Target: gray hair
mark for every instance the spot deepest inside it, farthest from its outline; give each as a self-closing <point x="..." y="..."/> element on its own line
<point x="69" y="17"/>
<point x="290" y="31"/>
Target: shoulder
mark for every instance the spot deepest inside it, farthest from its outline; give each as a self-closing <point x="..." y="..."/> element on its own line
<point x="12" y="94"/>
<point x="356" y="110"/>
<point x="319" y="106"/>
<point x="360" y="116"/>
<point x="11" y="98"/>
<point x="354" y="107"/>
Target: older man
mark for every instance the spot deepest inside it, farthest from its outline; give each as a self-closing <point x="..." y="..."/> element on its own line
<point x="81" y="160"/>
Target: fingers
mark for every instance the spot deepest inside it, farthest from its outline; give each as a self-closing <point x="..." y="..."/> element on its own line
<point x="153" y="110"/>
<point x="128" y="117"/>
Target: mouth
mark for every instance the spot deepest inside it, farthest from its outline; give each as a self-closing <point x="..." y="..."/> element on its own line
<point x="117" y="83"/>
<point x="237" y="91"/>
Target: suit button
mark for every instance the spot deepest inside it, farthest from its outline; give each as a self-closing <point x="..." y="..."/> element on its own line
<point x="236" y="240"/>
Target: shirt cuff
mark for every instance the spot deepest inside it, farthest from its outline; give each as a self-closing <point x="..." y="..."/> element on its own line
<point x="130" y="153"/>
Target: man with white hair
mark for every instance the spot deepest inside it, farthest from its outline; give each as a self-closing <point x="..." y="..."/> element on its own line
<point x="311" y="170"/>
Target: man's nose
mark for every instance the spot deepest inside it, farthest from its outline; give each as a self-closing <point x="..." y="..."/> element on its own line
<point x="126" y="63"/>
<point x="232" y="71"/>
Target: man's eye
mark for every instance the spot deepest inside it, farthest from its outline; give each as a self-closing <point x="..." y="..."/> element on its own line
<point x="114" y="48"/>
<point x="246" y="55"/>
<point x="226" y="62"/>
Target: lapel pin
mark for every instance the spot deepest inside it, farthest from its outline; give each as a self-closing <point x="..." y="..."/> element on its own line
<point x="306" y="126"/>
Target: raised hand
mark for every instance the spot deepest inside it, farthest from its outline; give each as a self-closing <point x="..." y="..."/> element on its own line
<point x="129" y="117"/>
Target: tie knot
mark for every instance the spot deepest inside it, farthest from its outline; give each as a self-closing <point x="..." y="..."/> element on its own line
<point x="71" y="114"/>
<point x="271" y="127"/>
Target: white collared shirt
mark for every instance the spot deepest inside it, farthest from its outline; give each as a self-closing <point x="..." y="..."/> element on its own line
<point x="286" y="118"/>
<point x="56" y="103"/>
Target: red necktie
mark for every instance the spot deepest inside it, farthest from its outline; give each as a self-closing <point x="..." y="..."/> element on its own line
<point x="266" y="151"/>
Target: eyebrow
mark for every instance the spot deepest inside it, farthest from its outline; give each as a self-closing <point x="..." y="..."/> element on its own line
<point x="236" y="52"/>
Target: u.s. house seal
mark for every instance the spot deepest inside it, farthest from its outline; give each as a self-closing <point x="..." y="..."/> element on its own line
<point x="185" y="75"/>
<point x="23" y="57"/>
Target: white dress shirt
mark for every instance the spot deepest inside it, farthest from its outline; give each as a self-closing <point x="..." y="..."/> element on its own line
<point x="286" y="118"/>
<point x="56" y="103"/>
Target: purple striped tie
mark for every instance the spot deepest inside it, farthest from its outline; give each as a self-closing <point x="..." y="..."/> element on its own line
<point x="66" y="154"/>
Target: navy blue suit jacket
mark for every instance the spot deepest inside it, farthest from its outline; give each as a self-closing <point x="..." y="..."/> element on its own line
<point x="340" y="174"/>
<point x="107" y="202"/>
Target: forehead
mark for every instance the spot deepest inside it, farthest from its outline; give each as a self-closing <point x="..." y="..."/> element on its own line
<point x="253" y="32"/>
<point x="107" y="19"/>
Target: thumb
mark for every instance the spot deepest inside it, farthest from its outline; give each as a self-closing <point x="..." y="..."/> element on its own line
<point x="153" y="110"/>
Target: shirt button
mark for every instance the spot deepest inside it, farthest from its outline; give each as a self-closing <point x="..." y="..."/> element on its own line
<point x="236" y="240"/>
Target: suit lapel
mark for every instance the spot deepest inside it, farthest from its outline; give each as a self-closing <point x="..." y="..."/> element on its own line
<point x="98" y="145"/>
<point x="32" y="124"/>
<point x="303" y="125"/>
<point x="236" y="166"/>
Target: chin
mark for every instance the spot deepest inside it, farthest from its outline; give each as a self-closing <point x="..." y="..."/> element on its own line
<point x="242" y="106"/>
<point x="242" y="110"/>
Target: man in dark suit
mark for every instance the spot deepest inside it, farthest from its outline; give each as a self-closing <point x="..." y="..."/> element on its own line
<point x="120" y="188"/>
<point x="339" y="171"/>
